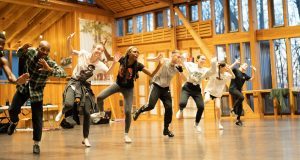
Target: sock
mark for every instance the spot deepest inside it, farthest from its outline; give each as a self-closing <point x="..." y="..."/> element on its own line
<point x="36" y="142"/>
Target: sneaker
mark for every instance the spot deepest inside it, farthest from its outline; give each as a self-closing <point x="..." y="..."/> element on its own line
<point x="220" y="126"/>
<point x="127" y="139"/>
<point x="239" y="123"/>
<point x="179" y="114"/>
<point x="58" y="116"/>
<point x="36" y="149"/>
<point x="167" y="132"/>
<point x="86" y="142"/>
<point x="98" y="115"/>
<point x="11" y="128"/>
<point x="136" y="114"/>
<point x="198" y="128"/>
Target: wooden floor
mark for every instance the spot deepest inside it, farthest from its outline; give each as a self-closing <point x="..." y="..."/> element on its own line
<point x="258" y="139"/>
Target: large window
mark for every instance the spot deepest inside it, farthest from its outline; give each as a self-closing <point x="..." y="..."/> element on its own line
<point x="182" y="8"/>
<point x="159" y="19"/>
<point x="247" y="54"/>
<point x="206" y="10"/>
<point x="129" y="26"/>
<point x="281" y="63"/>
<point x="278" y="13"/>
<point x="120" y="27"/>
<point x="262" y="14"/>
<point x="234" y="53"/>
<point x="219" y="17"/>
<point x="168" y="17"/>
<point x="265" y="65"/>
<point x="194" y="12"/>
<point x="234" y="15"/>
<point x="149" y="22"/>
<point x="295" y="48"/>
<point x="245" y="15"/>
<point x="221" y="53"/>
<point x="139" y="24"/>
<point x="294" y="12"/>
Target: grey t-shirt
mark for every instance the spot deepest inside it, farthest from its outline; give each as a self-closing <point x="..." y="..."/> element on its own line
<point x="164" y="76"/>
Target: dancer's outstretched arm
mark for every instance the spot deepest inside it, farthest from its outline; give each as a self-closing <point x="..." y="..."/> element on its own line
<point x="69" y="45"/>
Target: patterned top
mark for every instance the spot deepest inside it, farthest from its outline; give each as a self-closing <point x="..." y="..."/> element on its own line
<point x="37" y="81"/>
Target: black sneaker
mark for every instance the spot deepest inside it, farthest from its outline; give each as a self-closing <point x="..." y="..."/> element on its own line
<point x="167" y="132"/>
<point x="11" y="128"/>
<point x="36" y="149"/>
<point x="136" y="114"/>
<point x="239" y="123"/>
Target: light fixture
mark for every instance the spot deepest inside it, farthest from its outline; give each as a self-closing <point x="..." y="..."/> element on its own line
<point x="4" y="32"/>
<point x="41" y="36"/>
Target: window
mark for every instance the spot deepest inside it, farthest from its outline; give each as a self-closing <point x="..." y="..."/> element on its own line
<point x="247" y="54"/>
<point x="120" y="27"/>
<point x="262" y="14"/>
<point x="2" y="74"/>
<point x="139" y="24"/>
<point x="294" y="12"/>
<point x="219" y="17"/>
<point x="245" y="15"/>
<point x="129" y="26"/>
<point x="149" y="22"/>
<point x="221" y="52"/>
<point x="234" y="53"/>
<point x="281" y="63"/>
<point x="15" y="64"/>
<point x="182" y="8"/>
<point x="233" y="15"/>
<point x="159" y="19"/>
<point x="168" y="17"/>
<point x="194" y="12"/>
<point x="295" y="49"/>
<point x="278" y="13"/>
<point x="206" y="10"/>
<point x="265" y="65"/>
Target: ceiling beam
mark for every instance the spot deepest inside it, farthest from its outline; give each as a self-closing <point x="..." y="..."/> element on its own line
<point x="164" y="1"/>
<point x="61" y="6"/>
<point x="103" y="5"/>
<point x="141" y="10"/>
<point x="21" y="24"/>
<point x="15" y="14"/>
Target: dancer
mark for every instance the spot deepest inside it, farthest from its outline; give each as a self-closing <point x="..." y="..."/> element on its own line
<point x="160" y="89"/>
<point x="39" y="66"/>
<point x="5" y="65"/>
<point x="192" y="88"/>
<point x="78" y="91"/>
<point x="235" y="89"/>
<point x="215" y="88"/>
<point x="128" y="73"/>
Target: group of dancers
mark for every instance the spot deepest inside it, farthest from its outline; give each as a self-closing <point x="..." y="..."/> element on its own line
<point x="78" y="92"/>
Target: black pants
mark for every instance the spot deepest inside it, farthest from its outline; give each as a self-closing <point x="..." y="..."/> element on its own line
<point x="194" y="91"/>
<point x="37" y="113"/>
<point x="164" y="94"/>
<point x="238" y="101"/>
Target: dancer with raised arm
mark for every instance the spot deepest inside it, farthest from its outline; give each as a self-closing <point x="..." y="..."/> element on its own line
<point x="160" y="89"/>
<point x="128" y="73"/>
<point x="78" y="91"/>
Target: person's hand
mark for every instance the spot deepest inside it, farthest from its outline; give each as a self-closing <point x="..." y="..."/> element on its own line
<point x="71" y="36"/>
<point x="23" y="79"/>
<point x="237" y="61"/>
<point x="227" y="68"/>
<point x="77" y="100"/>
<point x="159" y="56"/>
<point x="253" y="68"/>
<point x="104" y="42"/>
<point x="117" y="57"/>
<point x="45" y="66"/>
<point x="179" y="68"/>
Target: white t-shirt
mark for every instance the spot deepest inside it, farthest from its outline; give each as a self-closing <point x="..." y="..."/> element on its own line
<point x="196" y="74"/>
<point x="216" y="86"/>
<point x="84" y="61"/>
<point x="165" y="74"/>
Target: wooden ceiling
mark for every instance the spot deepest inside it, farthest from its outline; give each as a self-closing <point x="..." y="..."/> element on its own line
<point x="24" y="20"/>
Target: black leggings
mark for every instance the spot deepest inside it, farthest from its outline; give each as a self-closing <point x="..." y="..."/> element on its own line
<point x="194" y="91"/>
<point x="238" y="101"/>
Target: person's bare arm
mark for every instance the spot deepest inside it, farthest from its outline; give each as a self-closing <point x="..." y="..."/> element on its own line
<point x="69" y="45"/>
<point x="10" y="76"/>
<point x="237" y="61"/>
<point x="155" y="59"/>
<point x="108" y="56"/>
<point x="151" y="74"/>
<point x="253" y="73"/>
<point x="116" y="60"/>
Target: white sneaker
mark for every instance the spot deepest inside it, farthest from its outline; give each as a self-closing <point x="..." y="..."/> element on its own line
<point x="179" y="114"/>
<point x="198" y="128"/>
<point x="127" y="139"/>
<point x="98" y="115"/>
<point x="220" y="126"/>
<point x="58" y="116"/>
<point x="86" y="142"/>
